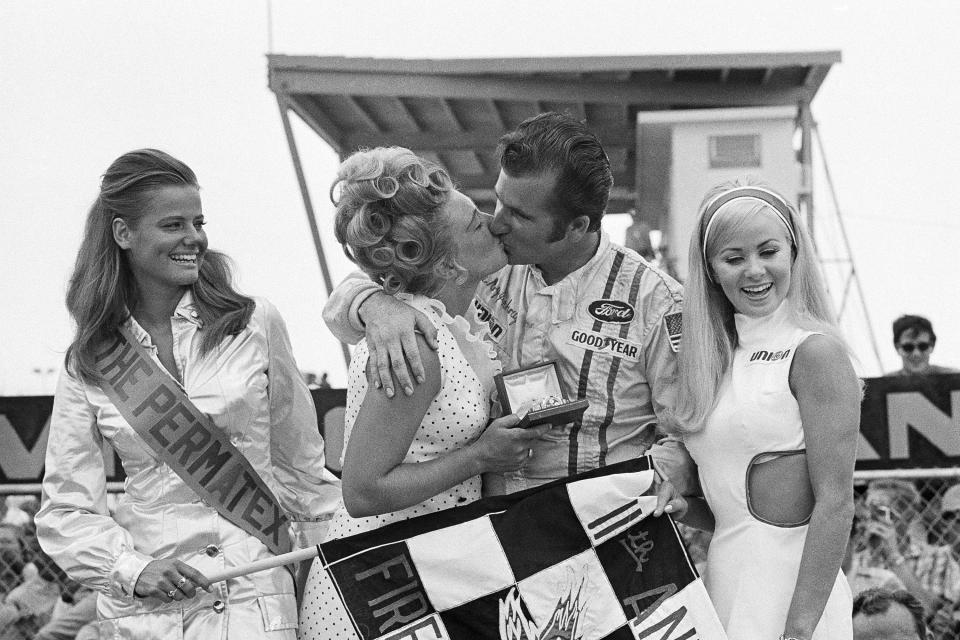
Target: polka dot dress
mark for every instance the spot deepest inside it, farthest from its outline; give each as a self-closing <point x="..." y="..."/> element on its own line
<point x="457" y="415"/>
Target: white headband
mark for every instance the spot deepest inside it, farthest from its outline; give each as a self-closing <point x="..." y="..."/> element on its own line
<point x="765" y="196"/>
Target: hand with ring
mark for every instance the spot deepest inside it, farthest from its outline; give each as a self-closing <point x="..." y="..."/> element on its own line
<point x="504" y="447"/>
<point x="170" y="580"/>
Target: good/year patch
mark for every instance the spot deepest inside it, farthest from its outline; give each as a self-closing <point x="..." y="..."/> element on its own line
<point x="605" y="344"/>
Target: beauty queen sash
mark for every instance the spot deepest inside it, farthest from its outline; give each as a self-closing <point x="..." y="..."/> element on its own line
<point x="189" y="442"/>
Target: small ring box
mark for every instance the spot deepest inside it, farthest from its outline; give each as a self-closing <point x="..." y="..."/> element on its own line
<point x="536" y="390"/>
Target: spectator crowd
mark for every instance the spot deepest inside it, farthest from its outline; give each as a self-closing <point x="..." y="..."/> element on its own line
<point x="903" y="558"/>
<point x="37" y="599"/>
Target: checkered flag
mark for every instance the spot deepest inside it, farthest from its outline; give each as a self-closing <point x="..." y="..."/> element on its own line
<point x="577" y="558"/>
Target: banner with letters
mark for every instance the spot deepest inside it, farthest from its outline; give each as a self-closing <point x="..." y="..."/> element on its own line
<point x="910" y="422"/>
<point x="25" y="427"/>
<point x="906" y="422"/>
<point x="577" y="558"/>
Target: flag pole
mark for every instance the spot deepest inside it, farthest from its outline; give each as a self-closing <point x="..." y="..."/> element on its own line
<point x="272" y="562"/>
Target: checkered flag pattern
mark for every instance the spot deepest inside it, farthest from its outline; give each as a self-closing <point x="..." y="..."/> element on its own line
<point x="577" y="558"/>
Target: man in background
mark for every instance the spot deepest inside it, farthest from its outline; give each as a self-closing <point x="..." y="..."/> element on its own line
<point x="879" y="614"/>
<point x="897" y="540"/>
<point x="914" y="340"/>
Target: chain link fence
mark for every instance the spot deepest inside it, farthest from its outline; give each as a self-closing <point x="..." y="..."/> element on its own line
<point x="920" y="513"/>
<point x="32" y="586"/>
<point x="919" y="499"/>
<point x="906" y="534"/>
<point x="28" y="594"/>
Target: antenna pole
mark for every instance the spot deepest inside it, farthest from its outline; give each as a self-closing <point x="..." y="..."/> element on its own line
<point x="853" y="276"/>
<point x="269" y="26"/>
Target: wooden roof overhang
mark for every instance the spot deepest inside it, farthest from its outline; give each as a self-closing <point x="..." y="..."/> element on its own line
<point x="454" y="110"/>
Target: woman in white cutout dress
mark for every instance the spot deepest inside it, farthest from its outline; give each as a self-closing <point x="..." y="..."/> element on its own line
<point x="399" y="217"/>
<point x="770" y="405"/>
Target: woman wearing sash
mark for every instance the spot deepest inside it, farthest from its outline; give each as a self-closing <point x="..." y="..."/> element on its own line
<point x="401" y="220"/>
<point x="772" y="406"/>
<point x="241" y="425"/>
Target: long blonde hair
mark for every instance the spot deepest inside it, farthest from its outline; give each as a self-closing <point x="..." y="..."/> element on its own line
<point x="709" y="332"/>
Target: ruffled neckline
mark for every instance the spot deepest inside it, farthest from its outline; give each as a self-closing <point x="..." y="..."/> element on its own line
<point x="479" y="353"/>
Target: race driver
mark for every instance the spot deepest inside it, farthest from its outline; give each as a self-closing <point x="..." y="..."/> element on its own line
<point x="608" y="318"/>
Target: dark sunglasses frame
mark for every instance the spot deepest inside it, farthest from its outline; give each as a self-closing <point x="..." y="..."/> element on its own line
<point x="922" y="347"/>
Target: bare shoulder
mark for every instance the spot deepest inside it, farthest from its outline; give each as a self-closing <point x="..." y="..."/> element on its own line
<point x="822" y="364"/>
<point x="821" y="349"/>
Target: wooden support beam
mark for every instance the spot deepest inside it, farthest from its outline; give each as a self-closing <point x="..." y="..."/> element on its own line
<point x="806" y="167"/>
<point x="623" y="182"/>
<point x="365" y="117"/>
<point x="316" y="120"/>
<point x="638" y="179"/>
<point x="399" y="107"/>
<point x="531" y="89"/>
<point x="495" y="111"/>
<point x="457" y="127"/>
<point x="583" y="65"/>
<point x="441" y="141"/>
<point x="308" y="206"/>
<point x="423" y="139"/>
<point x="815" y="77"/>
<point x="448" y="111"/>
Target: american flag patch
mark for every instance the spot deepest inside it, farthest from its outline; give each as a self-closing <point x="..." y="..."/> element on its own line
<point x="673" y="322"/>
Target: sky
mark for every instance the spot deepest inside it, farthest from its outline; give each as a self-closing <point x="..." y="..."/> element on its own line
<point x="82" y="82"/>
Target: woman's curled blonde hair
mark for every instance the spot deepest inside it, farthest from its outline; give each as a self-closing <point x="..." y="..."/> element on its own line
<point x="388" y="204"/>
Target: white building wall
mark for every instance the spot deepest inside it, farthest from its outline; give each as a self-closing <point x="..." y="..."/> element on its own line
<point x="691" y="175"/>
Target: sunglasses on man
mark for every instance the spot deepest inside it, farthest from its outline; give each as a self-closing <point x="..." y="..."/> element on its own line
<point x="922" y="347"/>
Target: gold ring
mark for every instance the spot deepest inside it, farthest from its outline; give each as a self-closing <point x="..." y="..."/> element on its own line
<point x="171" y="593"/>
<point x="182" y="581"/>
<point x="529" y="453"/>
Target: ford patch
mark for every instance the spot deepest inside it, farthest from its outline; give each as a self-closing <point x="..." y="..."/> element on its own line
<point x="611" y="311"/>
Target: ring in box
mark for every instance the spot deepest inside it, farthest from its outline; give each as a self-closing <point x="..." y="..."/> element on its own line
<point x="537" y="390"/>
